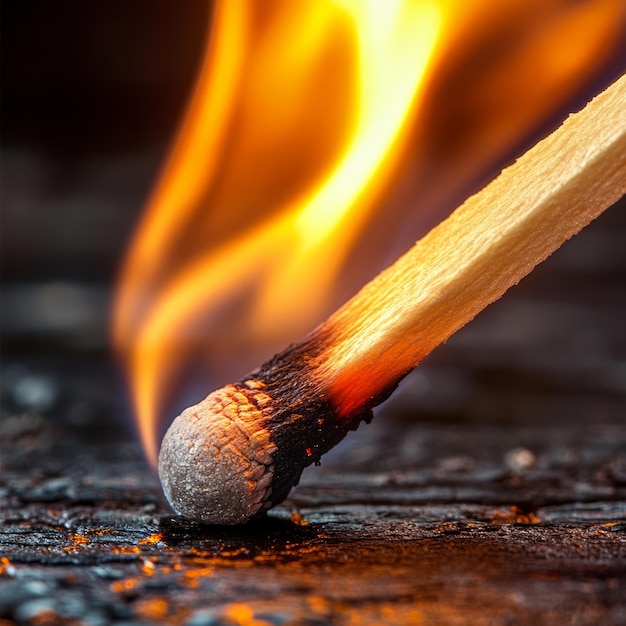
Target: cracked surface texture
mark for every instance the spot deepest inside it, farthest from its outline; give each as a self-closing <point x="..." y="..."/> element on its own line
<point x="216" y="461"/>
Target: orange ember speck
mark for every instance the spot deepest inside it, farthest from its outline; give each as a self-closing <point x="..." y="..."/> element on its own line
<point x="123" y="586"/>
<point x="242" y="615"/>
<point x="191" y="578"/>
<point x="126" y="550"/>
<point x="77" y="541"/>
<point x="6" y="567"/>
<point x="297" y="519"/>
<point x="156" y="609"/>
<point x="152" y="539"/>
<point x="147" y="567"/>
<point x="515" y="516"/>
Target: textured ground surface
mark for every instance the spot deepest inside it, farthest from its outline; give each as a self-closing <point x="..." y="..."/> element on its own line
<point x="490" y="490"/>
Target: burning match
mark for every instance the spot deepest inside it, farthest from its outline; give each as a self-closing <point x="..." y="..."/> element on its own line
<point x="238" y="452"/>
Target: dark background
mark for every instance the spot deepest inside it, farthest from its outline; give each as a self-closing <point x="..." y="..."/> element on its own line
<point x="92" y="93"/>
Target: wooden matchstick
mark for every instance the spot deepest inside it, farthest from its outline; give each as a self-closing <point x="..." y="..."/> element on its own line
<point x="239" y="451"/>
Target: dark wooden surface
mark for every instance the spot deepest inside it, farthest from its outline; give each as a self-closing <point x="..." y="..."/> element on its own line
<point x="490" y="490"/>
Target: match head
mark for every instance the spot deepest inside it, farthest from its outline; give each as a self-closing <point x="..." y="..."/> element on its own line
<point x="216" y="464"/>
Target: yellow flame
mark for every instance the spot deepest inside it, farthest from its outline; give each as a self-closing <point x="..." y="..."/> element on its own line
<point x="304" y="115"/>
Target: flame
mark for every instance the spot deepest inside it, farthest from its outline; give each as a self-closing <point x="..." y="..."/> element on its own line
<point x="305" y="118"/>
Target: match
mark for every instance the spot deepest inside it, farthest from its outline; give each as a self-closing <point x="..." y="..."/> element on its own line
<point x="239" y="451"/>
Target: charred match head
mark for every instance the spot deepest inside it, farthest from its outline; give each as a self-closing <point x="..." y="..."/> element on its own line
<point x="216" y="462"/>
<point x="239" y="451"/>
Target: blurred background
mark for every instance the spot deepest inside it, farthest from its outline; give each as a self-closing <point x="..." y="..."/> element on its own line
<point x="91" y="97"/>
<point x="92" y="94"/>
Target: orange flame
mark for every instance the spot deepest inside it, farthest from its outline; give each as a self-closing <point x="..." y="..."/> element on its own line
<point x="305" y="115"/>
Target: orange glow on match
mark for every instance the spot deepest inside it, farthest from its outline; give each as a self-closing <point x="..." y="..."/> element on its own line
<point x="305" y="117"/>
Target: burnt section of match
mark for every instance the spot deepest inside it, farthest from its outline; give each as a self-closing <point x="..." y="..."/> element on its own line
<point x="238" y="452"/>
<point x="303" y="422"/>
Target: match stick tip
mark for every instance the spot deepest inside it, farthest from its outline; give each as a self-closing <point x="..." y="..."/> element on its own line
<point x="215" y="462"/>
<point x="236" y="454"/>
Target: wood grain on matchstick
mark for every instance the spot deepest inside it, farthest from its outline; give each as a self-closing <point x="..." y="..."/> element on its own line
<point x="239" y="451"/>
<point x="487" y="245"/>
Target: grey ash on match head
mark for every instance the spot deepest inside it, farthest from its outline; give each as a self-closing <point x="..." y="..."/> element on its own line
<point x="216" y="463"/>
